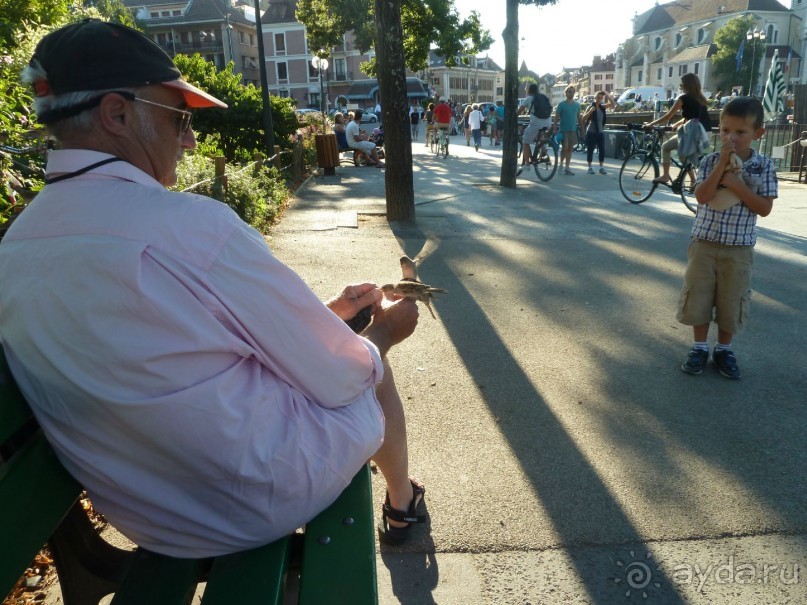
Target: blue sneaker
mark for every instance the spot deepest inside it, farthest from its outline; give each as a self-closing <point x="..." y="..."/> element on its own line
<point x="726" y="363"/>
<point x="696" y="361"/>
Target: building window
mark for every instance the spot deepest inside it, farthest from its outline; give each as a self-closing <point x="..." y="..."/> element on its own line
<point x="184" y="37"/>
<point x="678" y="37"/>
<point x="282" y="72"/>
<point x="682" y="69"/>
<point x="639" y="76"/>
<point x="670" y="72"/>
<point x="241" y="37"/>
<point x="280" y="44"/>
<point x="176" y="13"/>
<point x="598" y="76"/>
<point x="340" y="69"/>
<point x="659" y="73"/>
<point x="772" y="34"/>
<point x="701" y="35"/>
<point x="252" y="39"/>
<point x="697" y="65"/>
<point x="283" y="93"/>
<point x="658" y="42"/>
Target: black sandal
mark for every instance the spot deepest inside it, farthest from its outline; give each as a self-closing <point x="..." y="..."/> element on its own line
<point x="396" y="535"/>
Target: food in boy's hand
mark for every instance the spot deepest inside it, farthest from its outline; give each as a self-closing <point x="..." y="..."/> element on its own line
<point x="726" y="198"/>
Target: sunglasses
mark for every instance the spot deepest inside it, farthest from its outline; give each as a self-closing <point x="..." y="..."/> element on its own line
<point x="183" y="122"/>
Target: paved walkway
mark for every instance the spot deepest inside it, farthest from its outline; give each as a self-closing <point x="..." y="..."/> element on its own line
<point x="567" y="459"/>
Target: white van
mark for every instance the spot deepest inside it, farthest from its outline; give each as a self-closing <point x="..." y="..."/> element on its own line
<point x="647" y="93"/>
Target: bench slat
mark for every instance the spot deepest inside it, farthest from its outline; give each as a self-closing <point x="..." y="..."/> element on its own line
<point x="14" y="410"/>
<point x="250" y="577"/>
<point x="35" y="494"/>
<point x="339" y="545"/>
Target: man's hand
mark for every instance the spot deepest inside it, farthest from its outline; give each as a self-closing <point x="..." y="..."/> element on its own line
<point x="392" y="324"/>
<point x="353" y="299"/>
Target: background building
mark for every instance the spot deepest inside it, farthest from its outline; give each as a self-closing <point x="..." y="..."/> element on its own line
<point x="215" y="29"/>
<point x="675" y="38"/>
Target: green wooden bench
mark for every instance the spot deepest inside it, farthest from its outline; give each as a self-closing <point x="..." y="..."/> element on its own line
<point x="332" y="561"/>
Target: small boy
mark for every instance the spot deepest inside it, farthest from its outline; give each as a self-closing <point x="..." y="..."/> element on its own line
<point x="721" y="253"/>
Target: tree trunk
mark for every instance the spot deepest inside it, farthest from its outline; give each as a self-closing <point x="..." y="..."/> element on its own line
<point x="391" y="70"/>
<point x="510" y="147"/>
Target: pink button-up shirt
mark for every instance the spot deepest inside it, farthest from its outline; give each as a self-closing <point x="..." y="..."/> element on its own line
<point x="197" y="388"/>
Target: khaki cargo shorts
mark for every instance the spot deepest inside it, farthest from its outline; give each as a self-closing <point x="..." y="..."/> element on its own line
<point x="717" y="279"/>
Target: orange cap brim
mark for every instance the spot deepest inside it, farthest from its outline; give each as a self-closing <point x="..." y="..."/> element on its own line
<point x="194" y="97"/>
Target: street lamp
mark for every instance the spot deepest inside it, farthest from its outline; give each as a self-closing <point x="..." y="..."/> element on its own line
<point x="756" y="34"/>
<point x="321" y="65"/>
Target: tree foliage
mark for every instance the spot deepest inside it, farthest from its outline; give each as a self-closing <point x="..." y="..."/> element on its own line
<point x="724" y="62"/>
<point x="14" y="13"/>
<point x="237" y="130"/>
<point x="425" y="23"/>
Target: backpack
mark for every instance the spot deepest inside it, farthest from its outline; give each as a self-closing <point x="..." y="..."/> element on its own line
<point x="541" y="107"/>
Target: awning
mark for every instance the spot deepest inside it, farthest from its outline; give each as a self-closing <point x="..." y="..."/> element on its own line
<point x="362" y="90"/>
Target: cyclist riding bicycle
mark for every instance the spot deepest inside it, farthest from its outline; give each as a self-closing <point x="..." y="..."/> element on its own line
<point x="539" y="107"/>
<point x="428" y="117"/>
<point x="442" y="118"/>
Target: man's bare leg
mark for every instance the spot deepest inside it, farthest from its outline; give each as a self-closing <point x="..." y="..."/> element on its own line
<point x="392" y="457"/>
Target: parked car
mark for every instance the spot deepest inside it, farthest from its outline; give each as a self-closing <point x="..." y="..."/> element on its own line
<point x="368" y="116"/>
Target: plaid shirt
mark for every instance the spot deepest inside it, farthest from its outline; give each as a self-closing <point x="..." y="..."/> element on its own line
<point x="735" y="226"/>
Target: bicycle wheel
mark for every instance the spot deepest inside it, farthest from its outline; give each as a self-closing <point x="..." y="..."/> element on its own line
<point x="545" y="161"/>
<point x="443" y="150"/>
<point x="688" y="197"/>
<point x="627" y="147"/>
<point x="681" y="186"/>
<point x="432" y="142"/>
<point x="636" y="177"/>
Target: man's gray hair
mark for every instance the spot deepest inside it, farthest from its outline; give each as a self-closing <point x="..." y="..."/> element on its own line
<point x="78" y="123"/>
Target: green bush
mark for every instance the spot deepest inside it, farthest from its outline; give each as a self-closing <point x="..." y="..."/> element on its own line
<point x="310" y="126"/>
<point x="256" y="195"/>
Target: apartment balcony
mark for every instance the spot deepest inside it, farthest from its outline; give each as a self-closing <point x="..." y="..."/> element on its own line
<point x="201" y="47"/>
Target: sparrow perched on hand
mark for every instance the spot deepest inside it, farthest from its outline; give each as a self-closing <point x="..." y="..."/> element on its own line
<point x="415" y="290"/>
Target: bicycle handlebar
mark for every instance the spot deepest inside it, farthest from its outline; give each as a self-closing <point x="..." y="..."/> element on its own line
<point x="642" y="127"/>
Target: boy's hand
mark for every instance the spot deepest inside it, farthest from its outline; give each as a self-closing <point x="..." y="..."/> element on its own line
<point x="733" y="181"/>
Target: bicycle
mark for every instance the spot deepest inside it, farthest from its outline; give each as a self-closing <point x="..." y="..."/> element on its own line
<point x="637" y="140"/>
<point x="580" y="145"/>
<point x="432" y="142"/>
<point x="442" y="143"/>
<point x="640" y="169"/>
<point x="544" y="155"/>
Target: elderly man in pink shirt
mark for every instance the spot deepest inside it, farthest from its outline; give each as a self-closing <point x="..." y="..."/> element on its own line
<point x="197" y="388"/>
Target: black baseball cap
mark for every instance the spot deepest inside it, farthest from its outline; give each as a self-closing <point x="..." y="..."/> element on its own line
<point x="98" y="55"/>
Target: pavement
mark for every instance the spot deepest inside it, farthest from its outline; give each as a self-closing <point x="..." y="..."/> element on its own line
<point x="566" y="457"/>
